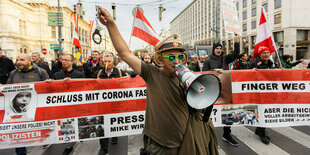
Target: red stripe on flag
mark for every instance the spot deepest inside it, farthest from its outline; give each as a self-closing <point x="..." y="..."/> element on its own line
<point x="262" y="18"/>
<point x="271" y="98"/>
<point x="62" y="112"/>
<point x="144" y="36"/>
<point x="140" y="15"/>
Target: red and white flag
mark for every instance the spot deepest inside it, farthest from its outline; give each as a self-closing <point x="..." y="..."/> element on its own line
<point x="142" y="29"/>
<point x="264" y="35"/>
<point x="91" y="30"/>
<point x="76" y="41"/>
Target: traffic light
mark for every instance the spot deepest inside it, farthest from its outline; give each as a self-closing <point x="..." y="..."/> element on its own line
<point x="114" y="11"/>
<point x="161" y="10"/>
<point x="80" y="10"/>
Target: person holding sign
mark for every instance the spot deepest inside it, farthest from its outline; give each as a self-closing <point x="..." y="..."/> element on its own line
<point x="262" y="62"/>
<point x="218" y="60"/>
<point x="108" y="71"/>
<point x="167" y="115"/>
<point x="26" y="72"/>
<point x="67" y="73"/>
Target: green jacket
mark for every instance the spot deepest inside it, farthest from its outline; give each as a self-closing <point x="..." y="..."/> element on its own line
<point x="288" y="65"/>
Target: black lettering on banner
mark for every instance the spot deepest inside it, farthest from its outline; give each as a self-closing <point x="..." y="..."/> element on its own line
<point x="91" y="96"/>
<point x="119" y="128"/>
<point x="272" y="110"/>
<point x="293" y="86"/>
<point x="126" y="119"/>
<point x="117" y="94"/>
<point x="303" y="110"/>
<point x="137" y="126"/>
<point x="288" y="110"/>
<point x="259" y="86"/>
<point x="64" y="98"/>
<point x="48" y="100"/>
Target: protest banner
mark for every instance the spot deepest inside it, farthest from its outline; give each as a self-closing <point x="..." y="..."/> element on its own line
<point x="230" y="16"/>
<point x="87" y="109"/>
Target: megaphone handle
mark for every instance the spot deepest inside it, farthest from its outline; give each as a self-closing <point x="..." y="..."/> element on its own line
<point x="207" y="113"/>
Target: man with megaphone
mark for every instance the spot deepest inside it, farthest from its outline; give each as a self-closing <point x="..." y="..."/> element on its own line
<point x="169" y="126"/>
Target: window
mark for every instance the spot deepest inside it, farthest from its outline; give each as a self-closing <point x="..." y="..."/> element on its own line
<point x="25" y="32"/>
<point x="20" y="27"/>
<point x="253" y="1"/>
<point x="302" y="35"/>
<point x="244" y="3"/>
<point x="253" y="24"/>
<point x="278" y="36"/>
<point x="254" y="12"/>
<point x="277" y="19"/>
<point x="244" y="15"/>
<point x="265" y="6"/>
<point x="237" y="6"/>
<point x="244" y="27"/>
<point x="277" y="4"/>
<point x="53" y="32"/>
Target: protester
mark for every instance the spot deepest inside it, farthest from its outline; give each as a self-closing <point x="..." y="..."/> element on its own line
<point x="124" y="66"/>
<point x="68" y="72"/>
<point x="286" y="62"/>
<point x="199" y="64"/>
<point x="37" y="60"/>
<point x="169" y="128"/>
<point x="26" y="72"/>
<point x="91" y="67"/>
<point x="242" y="62"/>
<point x="6" y="66"/>
<point x="108" y="71"/>
<point x="262" y="62"/>
<point x="57" y="65"/>
<point x="219" y="60"/>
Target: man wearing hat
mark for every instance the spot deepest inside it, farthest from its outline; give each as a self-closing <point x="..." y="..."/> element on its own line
<point x="167" y="112"/>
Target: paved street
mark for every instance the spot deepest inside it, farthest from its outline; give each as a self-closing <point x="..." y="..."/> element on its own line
<point x="285" y="140"/>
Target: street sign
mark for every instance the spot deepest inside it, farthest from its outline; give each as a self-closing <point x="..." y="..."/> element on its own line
<point x="54" y="14"/>
<point x="56" y="48"/>
<point x="54" y="18"/>
<point x="54" y="24"/>
<point x="54" y="45"/>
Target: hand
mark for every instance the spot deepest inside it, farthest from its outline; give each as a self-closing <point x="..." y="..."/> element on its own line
<point x="66" y="79"/>
<point x="104" y="16"/>
<point x="301" y="60"/>
<point x="237" y="38"/>
<point x="48" y="80"/>
<point x="219" y="71"/>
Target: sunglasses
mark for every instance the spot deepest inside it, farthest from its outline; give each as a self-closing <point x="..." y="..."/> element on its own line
<point x="173" y="57"/>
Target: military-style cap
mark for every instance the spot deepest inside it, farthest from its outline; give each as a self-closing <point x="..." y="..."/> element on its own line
<point x="171" y="42"/>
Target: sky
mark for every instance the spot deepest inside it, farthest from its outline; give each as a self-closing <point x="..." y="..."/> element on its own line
<point x="124" y="17"/>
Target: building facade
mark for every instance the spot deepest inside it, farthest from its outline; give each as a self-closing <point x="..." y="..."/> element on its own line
<point x="24" y="28"/>
<point x="200" y="21"/>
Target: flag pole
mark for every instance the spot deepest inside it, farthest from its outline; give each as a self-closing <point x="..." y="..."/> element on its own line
<point x="276" y="48"/>
<point x="132" y="29"/>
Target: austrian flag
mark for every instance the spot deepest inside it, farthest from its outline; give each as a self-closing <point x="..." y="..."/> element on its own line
<point x="264" y="35"/>
<point x="142" y="29"/>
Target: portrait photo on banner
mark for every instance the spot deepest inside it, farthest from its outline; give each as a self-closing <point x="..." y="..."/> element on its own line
<point x="20" y="104"/>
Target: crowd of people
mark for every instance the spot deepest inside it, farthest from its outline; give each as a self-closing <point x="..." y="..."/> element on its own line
<point x="171" y="126"/>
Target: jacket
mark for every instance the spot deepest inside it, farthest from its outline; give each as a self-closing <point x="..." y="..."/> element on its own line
<point x="73" y="74"/>
<point x="89" y="70"/>
<point x="115" y="73"/>
<point x="289" y="65"/>
<point x="222" y="61"/>
<point x="6" y="66"/>
<point x="259" y="64"/>
<point x="44" y="66"/>
<point x="34" y="74"/>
